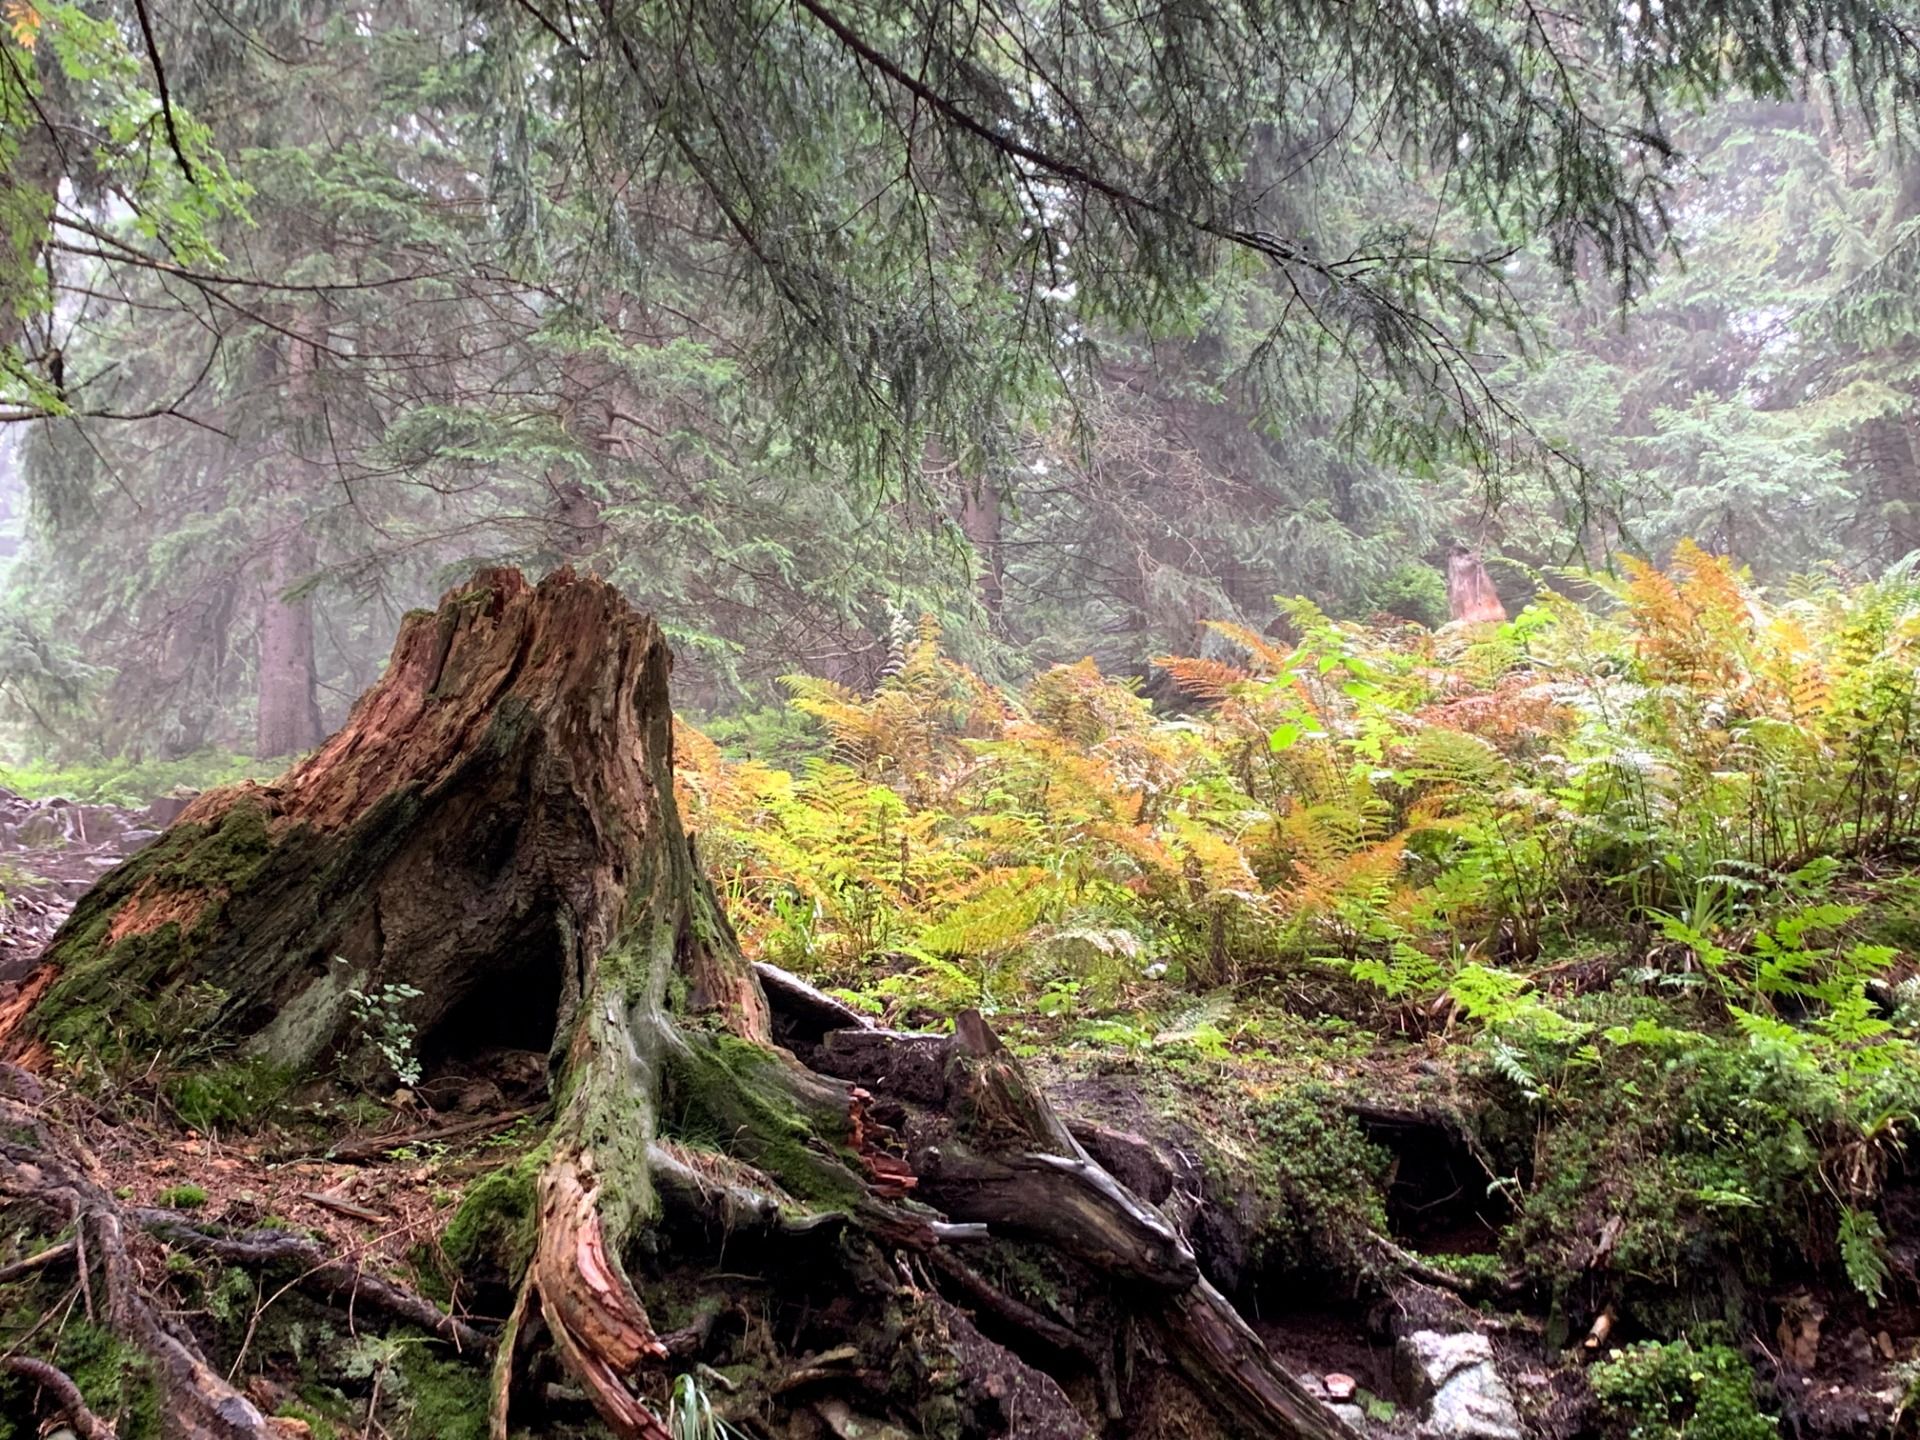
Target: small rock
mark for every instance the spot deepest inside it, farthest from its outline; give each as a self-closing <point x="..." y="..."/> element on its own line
<point x="845" y="1423"/>
<point x="164" y="811"/>
<point x="1454" y="1375"/>
<point x="1340" y="1387"/>
<point x="1427" y="1359"/>
<point x="1353" y="1415"/>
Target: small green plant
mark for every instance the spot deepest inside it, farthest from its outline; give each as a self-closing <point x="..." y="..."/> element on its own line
<point x="1676" y="1391"/>
<point x="690" y="1414"/>
<point x="1863" y="1250"/>
<point x="377" y="1015"/>
<point x="181" y="1197"/>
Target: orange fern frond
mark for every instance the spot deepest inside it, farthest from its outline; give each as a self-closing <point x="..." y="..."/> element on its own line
<point x="1209" y="680"/>
<point x="1270" y="658"/>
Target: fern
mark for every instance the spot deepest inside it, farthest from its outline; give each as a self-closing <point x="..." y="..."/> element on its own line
<point x="1207" y="1013"/>
<point x="1863" y="1251"/>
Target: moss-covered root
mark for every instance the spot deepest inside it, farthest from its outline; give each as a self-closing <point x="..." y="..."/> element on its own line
<point x="593" y="1188"/>
<point x="198" y="1402"/>
<point x="59" y="1385"/>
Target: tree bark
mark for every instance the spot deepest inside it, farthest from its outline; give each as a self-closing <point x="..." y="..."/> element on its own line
<point x="491" y="842"/>
<point x="288" y="719"/>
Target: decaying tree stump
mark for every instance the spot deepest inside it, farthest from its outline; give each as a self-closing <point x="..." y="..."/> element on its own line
<point x="1471" y="597"/>
<point x="491" y="845"/>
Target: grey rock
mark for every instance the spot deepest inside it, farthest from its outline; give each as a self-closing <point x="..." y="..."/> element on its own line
<point x="166" y="809"/>
<point x="1352" y="1414"/>
<point x="1454" y="1377"/>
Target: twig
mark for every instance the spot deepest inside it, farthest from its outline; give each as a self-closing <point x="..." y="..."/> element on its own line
<point x="52" y="1255"/>
<point x="160" y="84"/>
<point x="358" y="1150"/>
<point x="344" y="1207"/>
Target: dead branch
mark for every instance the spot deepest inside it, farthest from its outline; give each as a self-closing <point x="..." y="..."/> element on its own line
<point x="320" y="1273"/>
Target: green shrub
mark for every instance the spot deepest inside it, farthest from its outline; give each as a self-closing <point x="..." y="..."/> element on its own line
<point x="1674" y="1391"/>
<point x="1327" y="1179"/>
<point x="1412" y="592"/>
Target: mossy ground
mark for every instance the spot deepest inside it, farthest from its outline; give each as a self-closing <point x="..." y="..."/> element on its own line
<point x="114" y="1378"/>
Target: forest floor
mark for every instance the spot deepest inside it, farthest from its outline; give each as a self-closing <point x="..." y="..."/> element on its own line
<point x="377" y="1180"/>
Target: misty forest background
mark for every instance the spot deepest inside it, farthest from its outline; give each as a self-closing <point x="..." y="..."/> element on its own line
<point x="453" y="323"/>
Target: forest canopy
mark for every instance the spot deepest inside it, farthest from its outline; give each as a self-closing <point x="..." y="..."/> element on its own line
<point x="1075" y="326"/>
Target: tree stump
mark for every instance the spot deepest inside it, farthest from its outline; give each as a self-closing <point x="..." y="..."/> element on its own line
<point x="490" y="848"/>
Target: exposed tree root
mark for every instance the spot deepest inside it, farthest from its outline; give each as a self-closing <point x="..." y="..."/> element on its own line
<point x="200" y="1404"/>
<point x="1063" y="1339"/>
<point x="319" y="1273"/>
<point x="66" y="1395"/>
<point x="53" y="1255"/>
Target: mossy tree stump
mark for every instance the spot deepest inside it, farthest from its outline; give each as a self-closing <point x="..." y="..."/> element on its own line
<point x="491" y="843"/>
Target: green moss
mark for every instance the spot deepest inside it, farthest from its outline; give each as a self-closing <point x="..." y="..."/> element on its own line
<point x="229" y="1096"/>
<point x="1678" y="1392"/>
<point x="181" y="1197"/>
<point x="1698" y="1151"/>
<point x="727" y="1094"/>
<point x="222" y="858"/>
<point x="115" y="1379"/>
<point x="1326" y="1180"/>
<point x="127" y="996"/>
<point x="442" y="1399"/>
<point x="494" y="1228"/>
<point x="233" y="1297"/>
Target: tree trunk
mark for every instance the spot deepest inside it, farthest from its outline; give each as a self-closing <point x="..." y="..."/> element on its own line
<point x="980" y="520"/>
<point x="1470" y="594"/>
<point x="491" y="846"/>
<point x="288" y="719"/>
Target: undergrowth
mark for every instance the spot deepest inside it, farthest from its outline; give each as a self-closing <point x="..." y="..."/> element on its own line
<point x="1616" y="858"/>
<point x="134" y="782"/>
